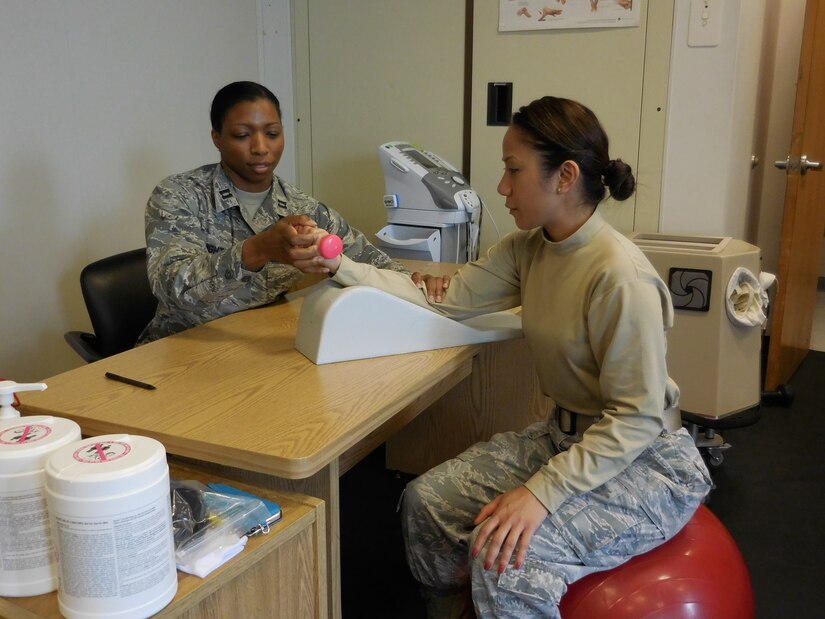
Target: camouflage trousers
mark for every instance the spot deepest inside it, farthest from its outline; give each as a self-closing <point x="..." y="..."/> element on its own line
<point x="635" y="511"/>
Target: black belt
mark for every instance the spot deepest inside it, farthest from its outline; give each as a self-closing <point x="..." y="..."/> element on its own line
<point x="573" y="423"/>
<point x="576" y="423"/>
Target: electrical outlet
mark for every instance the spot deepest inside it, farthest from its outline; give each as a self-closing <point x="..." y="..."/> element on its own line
<point x="705" y="25"/>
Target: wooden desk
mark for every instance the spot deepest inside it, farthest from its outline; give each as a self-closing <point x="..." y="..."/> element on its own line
<point x="235" y="396"/>
<point x="281" y="574"/>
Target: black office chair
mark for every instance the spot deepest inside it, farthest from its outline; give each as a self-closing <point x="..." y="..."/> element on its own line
<point x="120" y="305"/>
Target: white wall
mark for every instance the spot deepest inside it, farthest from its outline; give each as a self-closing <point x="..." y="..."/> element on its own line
<point x="620" y="73"/>
<point x="710" y="129"/>
<point x="100" y="100"/>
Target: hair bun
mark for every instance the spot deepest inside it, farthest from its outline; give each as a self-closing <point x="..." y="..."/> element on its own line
<point x="618" y="177"/>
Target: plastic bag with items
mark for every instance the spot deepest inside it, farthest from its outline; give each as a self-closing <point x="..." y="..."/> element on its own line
<point x="211" y="527"/>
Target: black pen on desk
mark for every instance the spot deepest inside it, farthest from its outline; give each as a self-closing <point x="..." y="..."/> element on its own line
<point x="129" y="381"/>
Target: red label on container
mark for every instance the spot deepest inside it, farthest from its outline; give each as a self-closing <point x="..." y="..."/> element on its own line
<point x="98" y="453"/>
<point x="24" y="434"/>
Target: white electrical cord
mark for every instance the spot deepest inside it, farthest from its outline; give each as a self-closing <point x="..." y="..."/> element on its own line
<point x="473" y="234"/>
<point x="474" y="231"/>
<point x="490" y="215"/>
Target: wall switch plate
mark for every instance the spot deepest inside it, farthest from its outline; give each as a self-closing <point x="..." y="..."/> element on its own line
<point x="705" y="25"/>
<point x="499" y="104"/>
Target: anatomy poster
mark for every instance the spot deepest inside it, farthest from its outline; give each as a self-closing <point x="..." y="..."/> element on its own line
<point x="556" y="14"/>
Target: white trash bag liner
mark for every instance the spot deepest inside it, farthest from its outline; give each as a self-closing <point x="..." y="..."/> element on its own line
<point x="747" y="297"/>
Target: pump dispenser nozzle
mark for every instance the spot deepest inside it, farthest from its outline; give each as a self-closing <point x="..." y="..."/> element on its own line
<point x="7" y="390"/>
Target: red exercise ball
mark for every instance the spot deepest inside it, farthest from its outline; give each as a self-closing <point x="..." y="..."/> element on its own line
<point x="699" y="574"/>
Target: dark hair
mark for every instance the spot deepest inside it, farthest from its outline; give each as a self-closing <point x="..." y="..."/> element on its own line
<point x="232" y="94"/>
<point x="561" y="129"/>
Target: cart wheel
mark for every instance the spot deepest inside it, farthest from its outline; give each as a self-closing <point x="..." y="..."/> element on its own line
<point x="715" y="458"/>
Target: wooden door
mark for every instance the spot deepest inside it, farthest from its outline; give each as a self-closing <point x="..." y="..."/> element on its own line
<point x="804" y="217"/>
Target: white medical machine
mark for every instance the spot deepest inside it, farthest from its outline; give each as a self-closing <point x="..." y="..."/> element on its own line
<point x="432" y="212"/>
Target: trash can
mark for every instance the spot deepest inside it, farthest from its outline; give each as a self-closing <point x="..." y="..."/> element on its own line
<point x="714" y="346"/>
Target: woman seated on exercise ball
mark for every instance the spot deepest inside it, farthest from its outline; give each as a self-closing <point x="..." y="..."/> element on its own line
<point x="612" y="474"/>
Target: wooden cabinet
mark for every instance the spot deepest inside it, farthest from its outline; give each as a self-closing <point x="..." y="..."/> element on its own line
<point x="281" y="574"/>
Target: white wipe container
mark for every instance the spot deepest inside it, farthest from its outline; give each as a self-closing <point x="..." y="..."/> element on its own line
<point x="28" y="565"/>
<point x="108" y="499"/>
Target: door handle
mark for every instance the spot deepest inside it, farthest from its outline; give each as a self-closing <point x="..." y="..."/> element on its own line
<point x="806" y="164"/>
<point x="803" y="164"/>
<point x="785" y="164"/>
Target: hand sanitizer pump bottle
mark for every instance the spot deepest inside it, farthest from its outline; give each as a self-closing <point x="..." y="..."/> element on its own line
<point x="7" y="390"/>
<point x="28" y="564"/>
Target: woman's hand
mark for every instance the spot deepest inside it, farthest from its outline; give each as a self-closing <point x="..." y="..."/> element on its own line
<point x="325" y="265"/>
<point x="309" y="257"/>
<point x="289" y="241"/>
<point x="512" y="518"/>
<point x="435" y="285"/>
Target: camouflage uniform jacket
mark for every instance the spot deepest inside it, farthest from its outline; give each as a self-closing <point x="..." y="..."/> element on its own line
<point x="195" y="231"/>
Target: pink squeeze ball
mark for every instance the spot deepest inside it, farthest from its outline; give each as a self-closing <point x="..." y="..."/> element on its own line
<point x="331" y="245"/>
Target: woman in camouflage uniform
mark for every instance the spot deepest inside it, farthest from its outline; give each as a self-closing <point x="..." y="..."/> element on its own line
<point x="225" y="237"/>
<point x="513" y="521"/>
